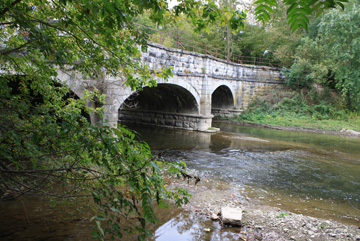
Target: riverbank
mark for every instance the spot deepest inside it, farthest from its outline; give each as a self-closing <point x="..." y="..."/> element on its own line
<point x="261" y="222"/>
<point x="343" y="132"/>
<point x="306" y="109"/>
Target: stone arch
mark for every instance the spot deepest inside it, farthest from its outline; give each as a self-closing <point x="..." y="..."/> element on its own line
<point x="176" y="80"/>
<point x="222" y="100"/>
<point x="74" y="81"/>
<point x="127" y="92"/>
<point x="166" y="105"/>
<point x="165" y="97"/>
<point x="231" y="85"/>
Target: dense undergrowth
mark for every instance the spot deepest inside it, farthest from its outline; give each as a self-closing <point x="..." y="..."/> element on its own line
<point x="317" y="108"/>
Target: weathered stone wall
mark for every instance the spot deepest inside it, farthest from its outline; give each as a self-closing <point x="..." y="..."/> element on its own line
<point x="198" y="74"/>
<point x="166" y="119"/>
<point x="251" y="90"/>
<point x="225" y="112"/>
<point x="205" y="73"/>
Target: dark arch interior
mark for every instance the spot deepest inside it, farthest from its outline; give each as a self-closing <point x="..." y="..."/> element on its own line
<point x="164" y="98"/>
<point x="222" y="98"/>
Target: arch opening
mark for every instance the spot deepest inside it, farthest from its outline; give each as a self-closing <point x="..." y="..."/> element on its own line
<point x="162" y="98"/>
<point x="222" y="101"/>
<point x="167" y="105"/>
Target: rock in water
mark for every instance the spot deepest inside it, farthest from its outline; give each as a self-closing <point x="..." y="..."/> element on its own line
<point x="231" y="216"/>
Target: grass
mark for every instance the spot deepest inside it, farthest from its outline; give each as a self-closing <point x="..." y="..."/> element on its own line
<point x="302" y="109"/>
<point x="308" y="122"/>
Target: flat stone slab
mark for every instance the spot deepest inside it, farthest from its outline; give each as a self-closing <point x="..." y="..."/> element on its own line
<point x="231" y="216"/>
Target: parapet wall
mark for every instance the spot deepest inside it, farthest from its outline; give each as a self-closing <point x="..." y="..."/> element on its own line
<point x="186" y="63"/>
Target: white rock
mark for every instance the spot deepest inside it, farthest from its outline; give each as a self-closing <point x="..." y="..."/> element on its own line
<point x="231" y="216"/>
<point x="352" y="132"/>
<point x="214" y="216"/>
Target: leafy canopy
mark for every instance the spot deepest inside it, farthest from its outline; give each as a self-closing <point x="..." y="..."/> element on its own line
<point x="47" y="144"/>
<point x="330" y="55"/>
<point x="298" y="11"/>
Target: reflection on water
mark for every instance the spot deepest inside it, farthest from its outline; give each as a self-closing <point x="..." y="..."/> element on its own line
<point x="313" y="174"/>
<point x="189" y="226"/>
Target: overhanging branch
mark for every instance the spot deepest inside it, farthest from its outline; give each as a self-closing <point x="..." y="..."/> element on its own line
<point x="14" y="50"/>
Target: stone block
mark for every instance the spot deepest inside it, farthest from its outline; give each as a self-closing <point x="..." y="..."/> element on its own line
<point x="154" y="121"/>
<point x="179" y="123"/>
<point x="192" y="125"/>
<point x="146" y="119"/>
<point x="159" y="116"/>
<point x="231" y="216"/>
<point x="186" y="124"/>
<point x="169" y="122"/>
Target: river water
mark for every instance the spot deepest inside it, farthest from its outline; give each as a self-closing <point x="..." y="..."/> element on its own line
<point x="307" y="173"/>
<point x="311" y="174"/>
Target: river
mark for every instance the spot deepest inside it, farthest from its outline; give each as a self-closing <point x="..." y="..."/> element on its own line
<point x="307" y="173"/>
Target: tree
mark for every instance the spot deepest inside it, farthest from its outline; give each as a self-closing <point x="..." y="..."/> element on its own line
<point x="231" y="4"/>
<point x="47" y="145"/>
<point x="329" y="55"/>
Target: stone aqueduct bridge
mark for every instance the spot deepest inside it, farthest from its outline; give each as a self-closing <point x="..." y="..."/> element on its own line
<point x="202" y="86"/>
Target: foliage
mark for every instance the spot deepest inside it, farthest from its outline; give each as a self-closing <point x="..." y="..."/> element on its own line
<point x="298" y="11"/>
<point x="273" y="41"/>
<point x="306" y="108"/>
<point x="191" y="37"/>
<point x="330" y="56"/>
<point x="47" y="145"/>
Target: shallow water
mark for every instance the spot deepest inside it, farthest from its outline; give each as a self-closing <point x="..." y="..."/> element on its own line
<point x="307" y="173"/>
<point x="311" y="174"/>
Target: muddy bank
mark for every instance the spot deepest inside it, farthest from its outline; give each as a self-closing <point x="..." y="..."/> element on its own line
<point x="264" y="222"/>
<point x="342" y="133"/>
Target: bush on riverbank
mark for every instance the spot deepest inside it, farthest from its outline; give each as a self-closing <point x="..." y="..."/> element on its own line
<point x="318" y="108"/>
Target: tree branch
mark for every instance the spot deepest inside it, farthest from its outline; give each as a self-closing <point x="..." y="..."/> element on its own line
<point x="4" y="10"/>
<point x="7" y="23"/>
<point x="14" y="50"/>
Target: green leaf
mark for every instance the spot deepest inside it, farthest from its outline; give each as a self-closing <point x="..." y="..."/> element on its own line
<point x="312" y="2"/>
<point x="319" y="12"/>
<point x="294" y="26"/>
<point x="304" y="12"/>
<point x="100" y="228"/>
<point x="292" y="8"/>
<point x="290" y="2"/>
<point x="341" y="5"/>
